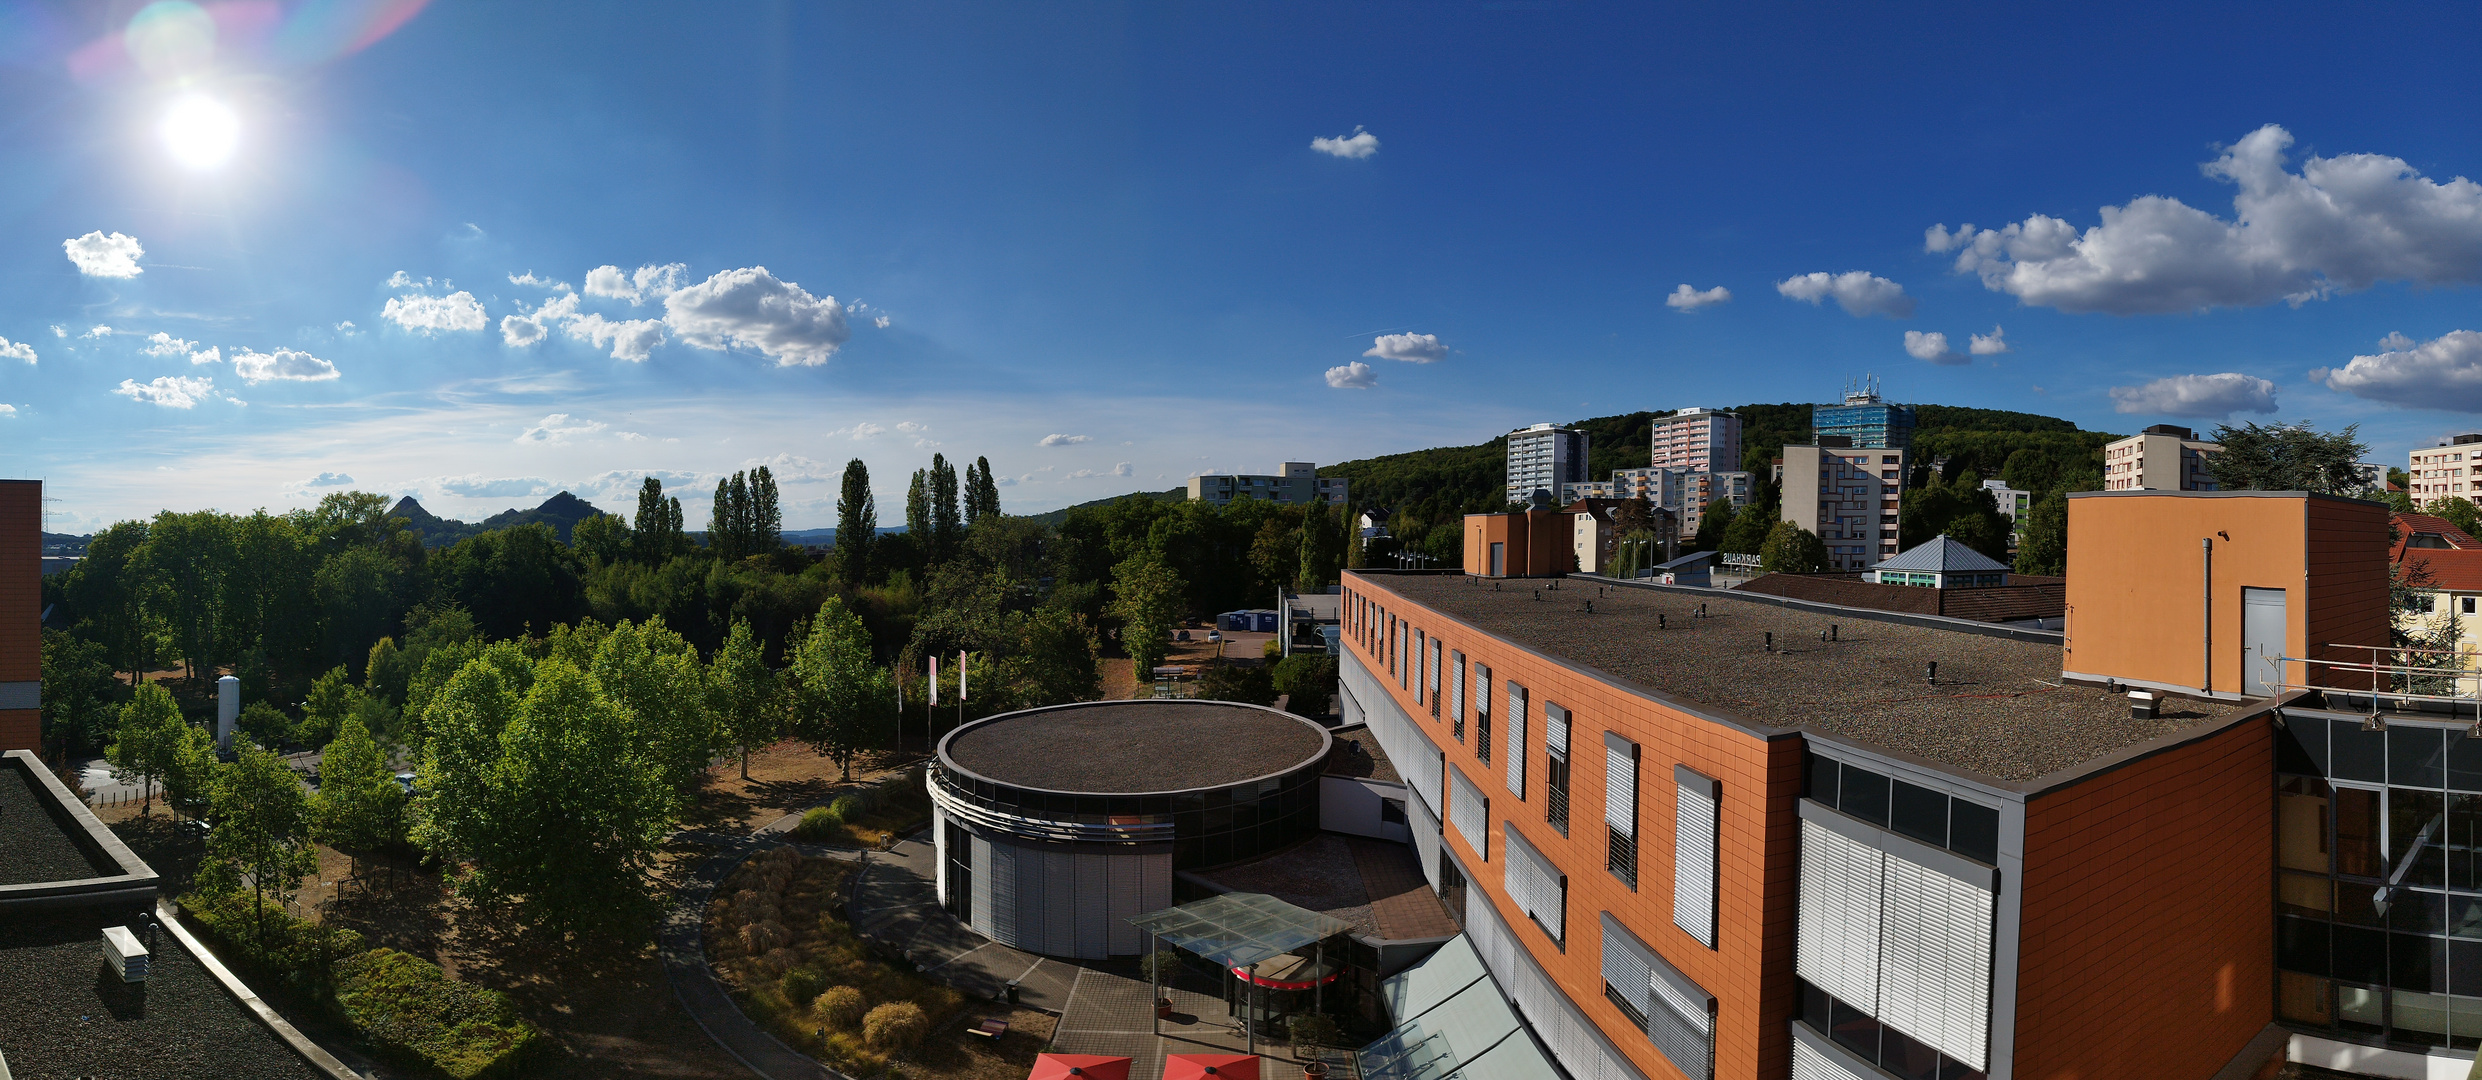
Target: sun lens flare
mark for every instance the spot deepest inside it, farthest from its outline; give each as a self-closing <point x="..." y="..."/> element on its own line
<point x="201" y="132"/>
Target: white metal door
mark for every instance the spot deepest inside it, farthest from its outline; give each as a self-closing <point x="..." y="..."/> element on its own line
<point x="2262" y="639"/>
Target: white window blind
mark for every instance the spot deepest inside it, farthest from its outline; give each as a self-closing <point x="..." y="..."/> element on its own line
<point x="1555" y="731"/>
<point x="1693" y="855"/>
<point x="1628" y="966"/>
<point x="1679" y="1016"/>
<point x="1935" y="972"/>
<point x="1836" y="935"/>
<point x="1619" y="784"/>
<point x="1809" y="1064"/>
<point x="1434" y="677"/>
<point x="1469" y="812"/>
<point x="1456" y="689"/>
<point x="1421" y="666"/>
<point x="1538" y="887"/>
<point x="1482" y="690"/>
<point x="1514" y="725"/>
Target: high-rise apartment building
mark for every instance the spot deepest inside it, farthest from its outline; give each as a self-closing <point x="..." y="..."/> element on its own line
<point x="2450" y="471"/>
<point x="1298" y="483"/>
<point x="21" y="614"/>
<point x="1849" y="495"/>
<point x="1685" y="492"/>
<point x="1700" y="440"/>
<point x="1865" y="419"/>
<point x="1543" y="457"/>
<point x="2165" y="457"/>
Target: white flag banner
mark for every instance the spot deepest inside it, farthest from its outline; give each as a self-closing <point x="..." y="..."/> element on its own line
<point x="961" y="675"/>
<point x="934" y="680"/>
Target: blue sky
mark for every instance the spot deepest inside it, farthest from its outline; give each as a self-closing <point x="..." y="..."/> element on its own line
<point x="1097" y="243"/>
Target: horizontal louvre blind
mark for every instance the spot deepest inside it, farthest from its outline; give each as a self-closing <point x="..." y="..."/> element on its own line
<point x="1482" y="690"/>
<point x="1809" y="1064"/>
<point x="1434" y="678"/>
<point x="1693" y="858"/>
<point x="1682" y="1025"/>
<point x="1836" y="937"/>
<point x="1620" y="784"/>
<point x="1456" y="688"/>
<point x="1536" y="885"/>
<point x="1421" y="665"/>
<point x="1469" y="812"/>
<point x="1935" y="979"/>
<point x="1515" y="735"/>
<point x="1628" y="965"/>
<point x="1555" y="730"/>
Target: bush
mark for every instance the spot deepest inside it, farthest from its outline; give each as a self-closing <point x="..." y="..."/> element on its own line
<point x="412" y="1009"/>
<point x="802" y="985"/>
<point x="1161" y="966"/>
<point x="1230" y="682"/>
<point x="1313" y="1029"/>
<point x="820" y="823"/>
<point x="896" y="1026"/>
<point x="850" y="807"/>
<point x="265" y="724"/>
<point x="840" y="1007"/>
<point x="300" y="954"/>
<point x="761" y="938"/>
<point x="1311" y="680"/>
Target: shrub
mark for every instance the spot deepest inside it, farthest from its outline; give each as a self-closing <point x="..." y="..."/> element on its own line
<point x="265" y="724"/>
<point x="411" y="1008"/>
<point x="850" y="807"/>
<point x="896" y="1026"/>
<point x="820" y="823"/>
<point x="778" y="961"/>
<point x="1161" y="966"/>
<point x="1313" y="1029"/>
<point x="1311" y="680"/>
<point x="751" y="906"/>
<point x="1232" y="682"/>
<point x="801" y="986"/>
<point x="840" y="1006"/>
<point x="299" y="953"/>
<point x="760" y="938"/>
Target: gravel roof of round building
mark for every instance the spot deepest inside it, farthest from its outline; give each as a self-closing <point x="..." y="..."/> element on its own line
<point x="1135" y="747"/>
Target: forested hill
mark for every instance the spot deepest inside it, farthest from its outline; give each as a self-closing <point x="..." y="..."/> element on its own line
<point x="562" y="512"/>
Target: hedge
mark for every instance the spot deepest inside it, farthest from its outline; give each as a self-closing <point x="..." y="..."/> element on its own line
<point x="409" y="1007"/>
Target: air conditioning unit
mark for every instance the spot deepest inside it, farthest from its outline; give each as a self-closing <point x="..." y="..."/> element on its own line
<point x="123" y="953"/>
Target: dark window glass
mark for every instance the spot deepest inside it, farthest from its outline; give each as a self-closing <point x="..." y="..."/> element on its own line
<point x="1854" y="1030"/>
<point x="1621" y="1002"/>
<point x="2464" y="762"/>
<point x="2360" y="1009"/>
<point x="2301" y="945"/>
<point x="1973" y="830"/>
<point x="2357" y="832"/>
<point x="1863" y="794"/>
<point x="1392" y="811"/>
<point x="2465" y="921"/>
<point x="2356" y="754"/>
<point x="2357" y="954"/>
<point x="2416" y="817"/>
<point x="1814" y="1008"/>
<point x="2417" y="963"/>
<point x="1910" y="1060"/>
<point x="1822" y="778"/>
<point x="1920" y="813"/>
<point x="2416" y="757"/>
<point x="2463" y="837"/>
<point x="2465" y="974"/>
<point x="2301" y="747"/>
<point x="2301" y="824"/>
<point x="1958" y="1070"/>
<point x="2310" y="896"/>
<point x="2414" y="912"/>
<point x="2353" y="904"/>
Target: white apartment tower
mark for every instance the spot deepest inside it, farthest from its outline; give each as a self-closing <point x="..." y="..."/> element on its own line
<point x="1699" y="440"/>
<point x="2450" y="471"/>
<point x="2165" y="457"/>
<point x="1542" y="458"/>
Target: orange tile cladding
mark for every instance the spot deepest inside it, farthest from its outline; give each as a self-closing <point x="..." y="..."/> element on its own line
<point x="1750" y="971"/>
<point x="2148" y="914"/>
<point x="21" y="602"/>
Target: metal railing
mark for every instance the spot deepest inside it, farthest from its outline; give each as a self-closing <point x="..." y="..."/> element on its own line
<point x="2384" y="674"/>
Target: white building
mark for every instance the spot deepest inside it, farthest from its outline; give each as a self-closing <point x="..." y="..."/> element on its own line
<point x="1850" y="496"/>
<point x="1700" y="440"/>
<point x="2448" y="471"/>
<point x="1298" y="483"/>
<point x="1542" y="458"/>
<point x="2165" y="457"/>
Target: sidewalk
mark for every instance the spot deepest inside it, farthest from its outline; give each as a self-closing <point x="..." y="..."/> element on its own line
<point x="896" y="903"/>
<point x="705" y="999"/>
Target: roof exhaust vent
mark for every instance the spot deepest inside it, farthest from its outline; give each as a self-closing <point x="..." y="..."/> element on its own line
<point x="1932" y="671"/>
<point x="124" y="955"/>
<point x="1770" y="634"/>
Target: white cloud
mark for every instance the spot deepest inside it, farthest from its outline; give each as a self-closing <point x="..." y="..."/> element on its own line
<point x="16" y="350"/>
<point x="1858" y="292"/>
<point x="346" y="328"/>
<point x="97" y="332"/>
<point x="628" y="436"/>
<point x="9" y="412"/>
<point x="282" y="365"/>
<point x="209" y="355"/>
<point x="432" y="314"/>
<point x="2201" y="396"/>
<point x="521" y="330"/>
<point x="169" y="391"/>
<point x="529" y="279"/>
<point x="2442" y="373"/>
<point x="488" y="487"/>
<point x="163" y="344"/>
<point x="328" y="479"/>
<point x="2395" y="341"/>
<point x="1684" y="298"/>
<point x="651" y="282"/>
<point x="99" y="255"/>
<point x="1354" y="376"/>
<point x="1991" y="344"/>
<point x="559" y="427"/>
<point x="749" y="307"/>
<point x="59" y="331"/>
<point x="865" y="430"/>
<point x="403" y="280"/>
<point x="2340" y="224"/>
<point x="1124" y="469"/>
<point x="630" y="339"/>
<point x="1056" y="439"/>
<point x="1411" y="348"/>
<point x="1932" y="346"/>
<point x="1360" y="144"/>
<point x="880" y="321"/>
<point x="911" y="428"/>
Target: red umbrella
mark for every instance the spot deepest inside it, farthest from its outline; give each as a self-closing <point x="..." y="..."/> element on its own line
<point x="1079" y="1067"/>
<point x="1210" y="1067"/>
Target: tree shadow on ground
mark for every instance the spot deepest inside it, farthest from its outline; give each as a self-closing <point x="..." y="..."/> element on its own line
<point x="173" y="848"/>
<point x="397" y="903"/>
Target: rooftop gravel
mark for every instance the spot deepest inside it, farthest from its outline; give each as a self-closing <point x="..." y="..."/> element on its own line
<point x="61" y="1016"/>
<point x="36" y="847"/>
<point x="1358" y="754"/>
<point x="1998" y="709"/>
<point x="1126" y="747"/>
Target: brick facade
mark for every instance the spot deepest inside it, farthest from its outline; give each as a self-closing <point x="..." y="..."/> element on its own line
<point x="21" y="605"/>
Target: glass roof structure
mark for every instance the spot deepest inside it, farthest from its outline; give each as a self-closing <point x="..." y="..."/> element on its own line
<point x="1451" y="1024"/>
<point x="1240" y="929"/>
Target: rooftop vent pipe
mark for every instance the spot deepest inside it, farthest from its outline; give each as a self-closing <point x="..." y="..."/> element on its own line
<point x="1770" y="640"/>
<point x="1932" y="670"/>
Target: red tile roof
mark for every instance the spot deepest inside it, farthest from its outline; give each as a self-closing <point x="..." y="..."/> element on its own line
<point x="2451" y="569"/>
<point x="2408" y="524"/>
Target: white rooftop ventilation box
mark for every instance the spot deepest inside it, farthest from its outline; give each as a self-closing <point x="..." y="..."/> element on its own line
<point x="123" y="954"/>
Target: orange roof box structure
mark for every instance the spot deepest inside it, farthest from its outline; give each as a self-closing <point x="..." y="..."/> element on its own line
<point x="1531" y="543"/>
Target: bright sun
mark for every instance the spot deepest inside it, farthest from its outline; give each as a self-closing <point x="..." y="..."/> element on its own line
<point x="201" y="132"/>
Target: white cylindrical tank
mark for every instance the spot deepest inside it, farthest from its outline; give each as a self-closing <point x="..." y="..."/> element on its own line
<point x="227" y="711"/>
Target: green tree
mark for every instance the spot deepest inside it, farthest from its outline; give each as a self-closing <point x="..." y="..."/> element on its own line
<point x="147" y="738"/>
<point x="857" y="523"/>
<point x="2043" y="549"/>
<point x="982" y="493"/>
<point x="765" y="528"/>
<point x="107" y="589"/>
<point x="361" y="594"/>
<point x="1147" y="600"/>
<point x="1791" y="549"/>
<point x="1055" y="662"/>
<point x="918" y="511"/>
<point x="602" y="538"/>
<point x="745" y="695"/>
<point x="945" y="528"/>
<point x="262" y="831"/>
<point x="333" y="697"/>
<point x="1961" y="509"/>
<point x="653" y="674"/>
<point x="2289" y="457"/>
<point x="1713" y="525"/>
<point x="455" y="815"/>
<point x="655" y="534"/>
<point x="387" y="672"/>
<point x="79" y="691"/>
<point x="1749" y="529"/>
<point x="189" y="779"/>
<point x="2458" y="511"/>
<point x="188" y="559"/>
<point x="358" y="808"/>
<point x="840" y="700"/>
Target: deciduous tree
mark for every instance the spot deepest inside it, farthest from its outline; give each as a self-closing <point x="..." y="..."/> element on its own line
<point x="1147" y="600"/>
<point x="1791" y="549"/>
<point x="841" y="700"/>
<point x="745" y="695"/>
<point x="2289" y="457"/>
<point x="262" y="831"/>
<point x="358" y="808"/>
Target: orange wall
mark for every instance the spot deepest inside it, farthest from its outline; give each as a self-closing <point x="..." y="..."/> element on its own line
<point x="21" y="603"/>
<point x="1539" y="543"/>
<point x="2135" y="572"/>
<point x="1750" y="971"/>
<point x="2148" y="914"/>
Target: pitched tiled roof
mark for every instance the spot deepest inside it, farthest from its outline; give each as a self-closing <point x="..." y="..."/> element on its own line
<point x="2408" y="524"/>
<point x="1941" y="555"/>
<point x="2451" y="569"/>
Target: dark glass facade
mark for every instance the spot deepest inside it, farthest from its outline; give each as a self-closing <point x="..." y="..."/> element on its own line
<point x="1967" y="828"/>
<point x="1210" y="826"/>
<point x="2378" y="933"/>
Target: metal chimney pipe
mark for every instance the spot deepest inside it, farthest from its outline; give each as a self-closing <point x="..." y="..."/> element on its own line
<point x="227" y="711"/>
<point x="2206" y="656"/>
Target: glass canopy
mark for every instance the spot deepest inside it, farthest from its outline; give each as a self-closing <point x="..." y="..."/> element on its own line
<point x="1240" y="929"/>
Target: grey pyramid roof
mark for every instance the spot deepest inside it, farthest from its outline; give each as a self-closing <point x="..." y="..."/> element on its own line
<point x="1941" y="555"/>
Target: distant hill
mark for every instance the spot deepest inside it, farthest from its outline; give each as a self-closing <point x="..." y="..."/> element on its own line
<point x="562" y="512"/>
<point x="1056" y="517"/>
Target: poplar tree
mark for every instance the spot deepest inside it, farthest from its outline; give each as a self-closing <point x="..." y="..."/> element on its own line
<point x="918" y="511"/>
<point x="984" y="494"/>
<point x="973" y="494"/>
<point x="857" y="522"/>
<point x="944" y="525"/>
<point x="766" y="521"/>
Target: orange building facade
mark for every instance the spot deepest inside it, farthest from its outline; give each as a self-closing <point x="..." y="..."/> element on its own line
<point x="1531" y="543"/>
<point x="21" y="613"/>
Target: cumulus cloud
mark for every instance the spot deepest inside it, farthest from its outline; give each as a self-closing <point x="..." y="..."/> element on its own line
<point x="403" y="280"/>
<point x="491" y="487"/>
<point x="209" y="355"/>
<point x="1124" y="469"/>
<point x="282" y="365"/>
<point x="630" y="339"/>
<point x="530" y="280"/>
<point x="2340" y="224"/>
<point x="650" y="282"/>
<point x="1360" y="144"/>
<point x="910" y="427"/>
<point x="1858" y="292"/>
<point x="8" y="412"/>
<point x="628" y="436"/>
<point x="1684" y="298"/>
<point x="328" y="479"/>
<point x="431" y="314"/>
<point x="522" y="330"/>
<point x="751" y="308"/>
<point x="169" y="391"/>
<point x="1411" y="348"/>
<point x="2202" y="396"/>
<point x="97" y="332"/>
<point x="559" y="427"/>
<point x="16" y="350"/>
<point x="59" y="331"/>
<point x="1056" y="439"/>
<point x="97" y="254"/>
<point x="1932" y="346"/>
<point x="861" y="431"/>
<point x="163" y="344"/>
<point x="2442" y="373"/>
<point x="1991" y="344"/>
<point x="1354" y="376"/>
<point x="880" y="321"/>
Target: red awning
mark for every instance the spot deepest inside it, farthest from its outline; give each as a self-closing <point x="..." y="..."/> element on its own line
<point x="1210" y="1067"/>
<point x="1079" y="1067"/>
<point x="1273" y="982"/>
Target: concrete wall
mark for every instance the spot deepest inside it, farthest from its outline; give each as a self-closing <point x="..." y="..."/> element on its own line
<point x="21" y="613"/>
<point x="1350" y="805"/>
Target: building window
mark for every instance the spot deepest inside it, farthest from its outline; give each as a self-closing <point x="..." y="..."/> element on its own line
<point x="1538" y="888"/>
<point x="1555" y="766"/>
<point x="1421" y="665"/>
<point x="1469" y="811"/>
<point x="1456" y="714"/>
<point x="1967" y="828"/>
<point x="1515" y="725"/>
<point x="1675" y="1013"/>
<point x="1620" y="808"/>
<point x="1434" y="678"/>
<point x="1482" y="713"/>
<point x="1694" y="839"/>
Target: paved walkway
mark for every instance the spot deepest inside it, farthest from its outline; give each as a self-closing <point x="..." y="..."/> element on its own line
<point x="694" y="983"/>
<point x="897" y="903"/>
<point x="1112" y="1015"/>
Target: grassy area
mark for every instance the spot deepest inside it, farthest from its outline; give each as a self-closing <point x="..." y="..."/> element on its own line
<point x="867" y="817"/>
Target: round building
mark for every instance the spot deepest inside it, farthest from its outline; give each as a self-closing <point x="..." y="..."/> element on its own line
<point x="1054" y="826"/>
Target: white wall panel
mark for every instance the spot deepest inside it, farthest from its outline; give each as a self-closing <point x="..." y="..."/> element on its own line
<point x="1836" y="938"/>
<point x="1094" y="905"/>
<point x="1416" y="757"/>
<point x="1470" y="812"/>
<point x="1127" y="902"/>
<point x="1425" y="839"/>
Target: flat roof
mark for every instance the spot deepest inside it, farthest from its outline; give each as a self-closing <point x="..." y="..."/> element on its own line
<point x="60" y="1017"/>
<point x="1999" y="708"/>
<point x="39" y="847"/>
<point x="1135" y="747"/>
<point x="1358" y="754"/>
<point x="1376" y="885"/>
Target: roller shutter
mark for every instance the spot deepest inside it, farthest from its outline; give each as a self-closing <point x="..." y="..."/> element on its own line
<point x="1810" y="1064"/>
<point x="1837" y="935"/>
<point x="1628" y="965"/>
<point x="1421" y="666"/>
<point x="1935" y="972"/>
<point x="1456" y="689"/>
<point x="1469" y="812"/>
<point x="1682" y="1023"/>
<point x="1619" y="784"/>
<point x="1514" y="740"/>
<point x="1538" y="887"/>
<point x="1425" y="839"/>
<point x="1693" y="855"/>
